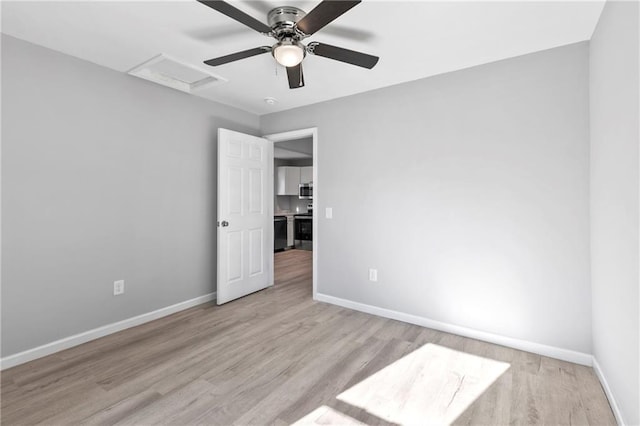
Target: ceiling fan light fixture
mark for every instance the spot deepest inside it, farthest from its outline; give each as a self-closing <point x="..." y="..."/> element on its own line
<point x="289" y="53"/>
<point x="289" y="26"/>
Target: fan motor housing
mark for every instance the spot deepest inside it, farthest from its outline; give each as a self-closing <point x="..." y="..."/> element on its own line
<point x="283" y="20"/>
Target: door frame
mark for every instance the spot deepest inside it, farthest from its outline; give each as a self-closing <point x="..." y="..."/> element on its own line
<point x="299" y="134"/>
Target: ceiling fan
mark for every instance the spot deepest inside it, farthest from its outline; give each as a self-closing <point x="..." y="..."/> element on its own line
<point x="289" y="26"/>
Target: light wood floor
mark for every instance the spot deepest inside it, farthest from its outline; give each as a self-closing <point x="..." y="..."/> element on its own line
<point x="276" y="357"/>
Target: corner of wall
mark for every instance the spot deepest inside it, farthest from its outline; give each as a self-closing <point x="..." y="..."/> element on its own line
<point x="607" y="390"/>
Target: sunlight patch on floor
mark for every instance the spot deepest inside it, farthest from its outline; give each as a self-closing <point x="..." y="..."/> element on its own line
<point x="327" y="416"/>
<point x="432" y="385"/>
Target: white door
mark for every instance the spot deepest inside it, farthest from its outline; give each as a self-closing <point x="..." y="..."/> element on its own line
<point x="245" y="214"/>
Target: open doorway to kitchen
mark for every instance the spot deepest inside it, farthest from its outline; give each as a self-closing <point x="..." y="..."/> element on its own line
<point x="295" y="221"/>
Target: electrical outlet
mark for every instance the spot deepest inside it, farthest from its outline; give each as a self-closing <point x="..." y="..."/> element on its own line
<point x="118" y="287"/>
<point x="373" y="275"/>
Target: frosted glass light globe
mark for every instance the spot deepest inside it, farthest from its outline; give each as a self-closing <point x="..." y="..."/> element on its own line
<point x="288" y="54"/>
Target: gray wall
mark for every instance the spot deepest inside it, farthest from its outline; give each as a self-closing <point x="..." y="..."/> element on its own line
<point x="104" y="177"/>
<point x="615" y="127"/>
<point x="467" y="191"/>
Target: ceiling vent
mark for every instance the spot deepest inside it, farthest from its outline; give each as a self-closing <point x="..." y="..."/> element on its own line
<point x="170" y="72"/>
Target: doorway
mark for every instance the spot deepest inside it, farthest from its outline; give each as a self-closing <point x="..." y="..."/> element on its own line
<point x="295" y="176"/>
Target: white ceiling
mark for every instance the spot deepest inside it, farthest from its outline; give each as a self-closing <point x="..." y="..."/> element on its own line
<point x="294" y="149"/>
<point x="414" y="39"/>
<point x="286" y="154"/>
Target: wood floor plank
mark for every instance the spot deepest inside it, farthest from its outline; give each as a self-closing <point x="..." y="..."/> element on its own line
<point x="590" y="391"/>
<point x="124" y="408"/>
<point x="277" y="356"/>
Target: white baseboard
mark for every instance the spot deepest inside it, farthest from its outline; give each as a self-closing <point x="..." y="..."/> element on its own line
<point x="78" y="339"/>
<point x="524" y="345"/>
<point x="607" y="391"/>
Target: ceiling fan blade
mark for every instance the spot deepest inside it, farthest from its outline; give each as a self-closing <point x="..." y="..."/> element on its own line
<point x="343" y="55"/>
<point x="296" y="79"/>
<point x="324" y="13"/>
<point x="233" y="13"/>
<point x="237" y="56"/>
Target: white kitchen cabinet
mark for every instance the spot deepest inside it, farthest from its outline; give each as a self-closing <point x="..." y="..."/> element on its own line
<point x="306" y="174"/>
<point x="290" y="225"/>
<point x="288" y="180"/>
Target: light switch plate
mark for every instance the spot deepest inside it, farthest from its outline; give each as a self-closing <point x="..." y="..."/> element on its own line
<point x="328" y="213"/>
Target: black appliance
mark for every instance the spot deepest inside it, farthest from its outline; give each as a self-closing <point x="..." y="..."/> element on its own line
<point x="279" y="233"/>
<point x="303" y="230"/>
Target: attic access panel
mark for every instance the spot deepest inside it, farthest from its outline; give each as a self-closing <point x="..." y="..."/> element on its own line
<point x="167" y="71"/>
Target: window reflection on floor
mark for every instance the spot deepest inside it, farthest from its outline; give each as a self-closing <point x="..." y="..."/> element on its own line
<point x="432" y="385"/>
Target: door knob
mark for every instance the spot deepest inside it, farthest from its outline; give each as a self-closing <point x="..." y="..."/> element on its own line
<point x="225" y="223"/>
